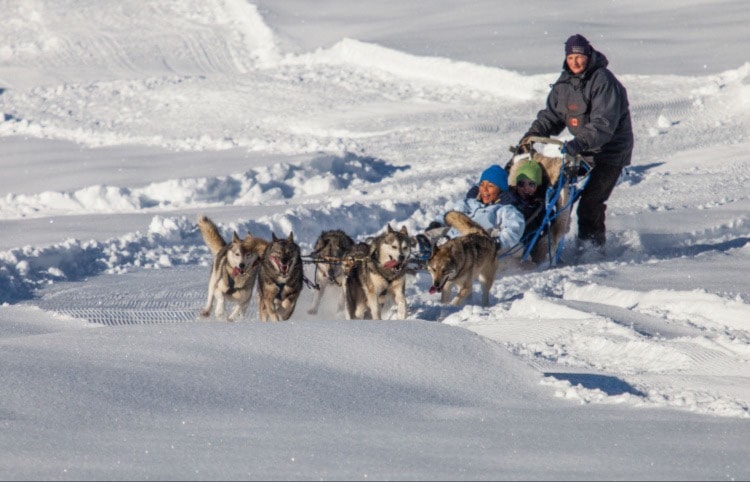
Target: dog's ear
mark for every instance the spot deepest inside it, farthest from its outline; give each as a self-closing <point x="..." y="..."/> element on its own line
<point x="273" y="237"/>
<point x="404" y="231"/>
<point x="235" y="238"/>
<point x="320" y="244"/>
<point x="290" y="238"/>
<point x="389" y="230"/>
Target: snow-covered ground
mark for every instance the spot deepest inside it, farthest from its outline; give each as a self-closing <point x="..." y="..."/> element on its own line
<point x="125" y="119"/>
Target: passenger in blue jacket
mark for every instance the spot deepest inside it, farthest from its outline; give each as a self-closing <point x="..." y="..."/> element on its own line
<point x="492" y="207"/>
<point x="592" y="104"/>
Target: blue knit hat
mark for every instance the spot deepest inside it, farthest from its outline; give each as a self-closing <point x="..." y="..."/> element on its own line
<point x="577" y="44"/>
<point x="497" y="176"/>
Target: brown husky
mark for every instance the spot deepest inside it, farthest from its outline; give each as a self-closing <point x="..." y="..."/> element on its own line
<point x="381" y="273"/>
<point x="329" y="252"/>
<point x="280" y="279"/>
<point x="233" y="271"/>
<point x="458" y="262"/>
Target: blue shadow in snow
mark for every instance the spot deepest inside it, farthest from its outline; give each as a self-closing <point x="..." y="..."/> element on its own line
<point x="609" y="385"/>
<point x="351" y="167"/>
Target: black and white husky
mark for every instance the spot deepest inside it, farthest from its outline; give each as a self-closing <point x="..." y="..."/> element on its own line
<point x="380" y="275"/>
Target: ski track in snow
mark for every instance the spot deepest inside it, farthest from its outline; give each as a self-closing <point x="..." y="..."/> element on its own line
<point x="199" y="88"/>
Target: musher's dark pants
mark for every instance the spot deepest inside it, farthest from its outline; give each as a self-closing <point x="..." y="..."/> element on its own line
<point x="591" y="206"/>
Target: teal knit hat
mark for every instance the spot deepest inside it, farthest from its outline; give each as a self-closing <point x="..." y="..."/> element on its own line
<point x="530" y="170"/>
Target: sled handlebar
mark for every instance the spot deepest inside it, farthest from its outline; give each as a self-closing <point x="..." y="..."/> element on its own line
<point x="527" y="144"/>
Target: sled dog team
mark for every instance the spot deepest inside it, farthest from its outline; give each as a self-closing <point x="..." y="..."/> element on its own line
<point x="465" y="247"/>
<point x="480" y="235"/>
<point x="366" y="275"/>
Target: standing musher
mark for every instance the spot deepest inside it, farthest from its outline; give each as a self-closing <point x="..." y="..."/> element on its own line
<point x="593" y="105"/>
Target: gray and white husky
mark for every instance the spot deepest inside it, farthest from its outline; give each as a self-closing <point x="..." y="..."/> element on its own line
<point x="329" y="251"/>
<point x="280" y="279"/>
<point x="458" y="262"/>
<point x="233" y="271"/>
<point x="381" y="274"/>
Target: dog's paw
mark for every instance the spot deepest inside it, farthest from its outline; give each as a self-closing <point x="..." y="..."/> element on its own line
<point x="205" y="313"/>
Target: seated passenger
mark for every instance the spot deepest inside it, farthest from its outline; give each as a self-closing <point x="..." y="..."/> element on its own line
<point x="529" y="196"/>
<point x="492" y="208"/>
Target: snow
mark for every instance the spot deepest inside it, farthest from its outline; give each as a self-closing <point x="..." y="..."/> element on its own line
<point x="125" y="120"/>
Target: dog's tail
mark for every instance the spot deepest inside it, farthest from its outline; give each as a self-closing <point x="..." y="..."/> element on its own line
<point x="463" y="223"/>
<point x="210" y="234"/>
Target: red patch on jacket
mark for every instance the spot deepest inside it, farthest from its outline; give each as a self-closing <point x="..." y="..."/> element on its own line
<point x="574" y="122"/>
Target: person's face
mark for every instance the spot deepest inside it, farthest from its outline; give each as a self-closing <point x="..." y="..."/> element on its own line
<point x="526" y="188"/>
<point x="577" y="63"/>
<point x="488" y="192"/>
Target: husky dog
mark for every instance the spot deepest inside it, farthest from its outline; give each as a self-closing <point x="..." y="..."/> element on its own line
<point x="355" y="254"/>
<point x="233" y="271"/>
<point x="460" y="261"/>
<point x="280" y="279"/>
<point x="465" y="225"/>
<point x="354" y="293"/>
<point x="382" y="273"/>
<point x="329" y="252"/>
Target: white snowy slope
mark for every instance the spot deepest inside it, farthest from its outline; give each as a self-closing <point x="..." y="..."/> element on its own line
<point x="122" y="120"/>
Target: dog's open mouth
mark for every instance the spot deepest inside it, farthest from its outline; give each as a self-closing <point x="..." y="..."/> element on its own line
<point x="282" y="267"/>
<point x="393" y="264"/>
<point x="244" y="269"/>
<point x="435" y="288"/>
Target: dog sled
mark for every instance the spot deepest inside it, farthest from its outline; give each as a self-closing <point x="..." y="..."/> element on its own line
<point x="563" y="178"/>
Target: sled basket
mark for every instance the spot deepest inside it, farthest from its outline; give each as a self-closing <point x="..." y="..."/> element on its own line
<point x="563" y="177"/>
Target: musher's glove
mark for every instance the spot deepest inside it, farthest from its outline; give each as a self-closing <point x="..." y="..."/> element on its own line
<point x="524" y="146"/>
<point x="572" y="148"/>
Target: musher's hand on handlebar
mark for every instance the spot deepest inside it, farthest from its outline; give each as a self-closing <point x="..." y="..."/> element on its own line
<point x="572" y="148"/>
<point x="524" y="145"/>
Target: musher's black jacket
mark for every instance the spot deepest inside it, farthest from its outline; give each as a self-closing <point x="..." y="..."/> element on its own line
<point x="593" y="105"/>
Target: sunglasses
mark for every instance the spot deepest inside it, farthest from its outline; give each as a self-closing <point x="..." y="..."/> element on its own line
<point x="523" y="184"/>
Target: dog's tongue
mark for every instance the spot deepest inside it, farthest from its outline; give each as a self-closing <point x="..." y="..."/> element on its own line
<point x="391" y="264"/>
<point x="236" y="272"/>
<point x="433" y="290"/>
